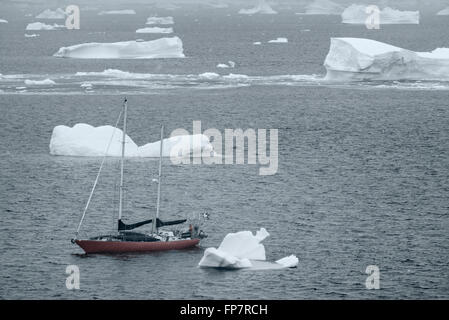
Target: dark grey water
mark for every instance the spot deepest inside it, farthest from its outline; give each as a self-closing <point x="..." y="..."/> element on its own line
<point x="362" y="180"/>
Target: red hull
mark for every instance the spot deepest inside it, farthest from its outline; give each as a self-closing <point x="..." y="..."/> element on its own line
<point x="96" y="246"/>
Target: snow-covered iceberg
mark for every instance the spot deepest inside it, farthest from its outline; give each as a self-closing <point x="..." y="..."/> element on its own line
<point x="160" y="48"/>
<point x="160" y="20"/>
<point x="261" y="8"/>
<point x="45" y="82"/>
<point x="444" y="12"/>
<point x="49" y="14"/>
<point x="126" y="11"/>
<point x="155" y="30"/>
<point x="83" y="140"/>
<point x="324" y="7"/>
<point x="43" y="26"/>
<point x="243" y="250"/>
<point x="358" y="14"/>
<point x="279" y="40"/>
<point x="365" y="59"/>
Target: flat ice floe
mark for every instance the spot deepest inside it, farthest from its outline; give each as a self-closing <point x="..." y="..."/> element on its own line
<point x="243" y="250"/>
<point x="155" y="30"/>
<point x="279" y="40"/>
<point x="34" y="35"/>
<point x="261" y="8"/>
<point x="231" y="64"/>
<point x="3" y="21"/>
<point x="43" y="26"/>
<point x="358" y="14"/>
<point x="365" y="59"/>
<point x="160" y="20"/>
<point x="126" y="11"/>
<point x="325" y="7"/>
<point x="160" y="48"/>
<point x="444" y="12"/>
<point x="45" y="82"/>
<point x="49" y="14"/>
<point x="83" y="140"/>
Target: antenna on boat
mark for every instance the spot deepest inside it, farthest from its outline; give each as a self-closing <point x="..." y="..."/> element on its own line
<point x="155" y="224"/>
<point x="122" y="162"/>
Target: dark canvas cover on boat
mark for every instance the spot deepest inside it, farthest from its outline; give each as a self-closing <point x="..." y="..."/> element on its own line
<point x="161" y="223"/>
<point x="123" y="226"/>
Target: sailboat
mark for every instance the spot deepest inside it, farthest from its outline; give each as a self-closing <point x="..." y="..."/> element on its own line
<point x="125" y="240"/>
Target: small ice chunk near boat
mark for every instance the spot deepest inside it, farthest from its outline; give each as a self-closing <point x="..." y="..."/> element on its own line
<point x="279" y="40"/>
<point x="43" y="26"/>
<point x="84" y="140"/>
<point x="444" y="12"/>
<point x="360" y="59"/>
<point x="159" y="48"/>
<point x="358" y="14"/>
<point x="126" y="11"/>
<point x="45" y="82"/>
<point x="261" y="8"/>
<point x="49" y="14"/>
<point x="243" y="250"/>
<point x="160" y="20"/>
<point x="324" y="7"/>
<point x="155" y="30"/>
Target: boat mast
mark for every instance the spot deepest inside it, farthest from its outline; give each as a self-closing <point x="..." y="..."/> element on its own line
<point x="120" y="209"/>
<point x="159" y="181"/>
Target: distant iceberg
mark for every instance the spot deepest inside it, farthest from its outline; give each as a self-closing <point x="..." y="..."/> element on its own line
<point x="45" y="82"/>
<point x="49" y="14"/>
<point x="126" y="11"/>
<point x="231" y="64"/>
<point x="360" y="59"/>
<point x="160" y="48"/>
<point x="444" y="12"/>
<point x="357" y="14"/>
<point x="83" y="140"/>
<point x="160" y="20"/>
<point x="3" y="21"/>
<point x="43" y="26"/>
<point x="261" y="8"/>
<point x="279" y="40"/>
<point x="243" y="250"/>
<point x="155" y="30"/>
<point x="34" y="35"/>
<point x="324" y="7"/>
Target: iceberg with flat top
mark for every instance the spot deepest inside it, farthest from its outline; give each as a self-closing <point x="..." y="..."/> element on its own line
<point x="160" y="20"/>
<point x="44" y="82"/>
<point x="358" y="14"/>
<point x="49" y="14"/>
<point x="324" y="7"/>
<point x="83" y="140"/>
<point x="243" y="250"/>
<point x="159" y="48"/>
<point x="154" y="30"/>
<point x="365" y="59"/>
<point x="126" y="11"/>
<point x="261" y="8"/>
<point x="43" y="26"/>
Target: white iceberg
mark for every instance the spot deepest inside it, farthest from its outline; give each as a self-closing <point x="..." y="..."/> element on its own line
<point x="160" y="48"/>
<point x="45" y="82"/>
<point x="31" y="35"/>
<point x="358" y="14"/>
<point x="363" y="59"/>
<point x="49" y="14"/>
<point x="209" y="75"/>
<point x="324" y="7"/>
<point x="155" y="30"/>
<point x="43" y="26"/>
<point x="279" y="40"/>
<point x="261" y="8"/>
<point x="3" y="21"/>
<point x="231" y="64"/>
<point x="160" y="20"/>
<point x="83" y="140"/>
<point x="243" y="250"/>
<point x="444" y="12"/>
<point x="257" y="43"/>
<point x="126" y="11"/>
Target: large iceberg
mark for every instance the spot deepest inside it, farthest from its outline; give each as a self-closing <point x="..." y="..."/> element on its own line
<point x="160" y="48"/>
<point x="358" y="14"/>
<point x="262" y="8"/>
<point x="49" y="14"/>
<point x="365" y="59"/>
<point x="243" y="250"/>
<point x="43" y="26"/>
<point x="324" y="7"/>
<point x="83" y="140"/>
